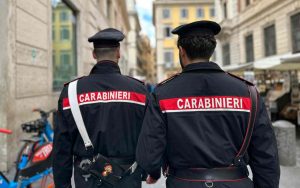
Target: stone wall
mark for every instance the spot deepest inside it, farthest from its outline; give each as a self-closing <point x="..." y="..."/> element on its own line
<point x="26" y="60"/>
<point x="29" y="71"/>
<point x="4" y="11"/>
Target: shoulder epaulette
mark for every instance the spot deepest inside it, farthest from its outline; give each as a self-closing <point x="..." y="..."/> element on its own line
<point x="136" y="79"/>
<point x="242" y="79"/>
<point x="65" y="84"/>
<point x="168" y="79"/>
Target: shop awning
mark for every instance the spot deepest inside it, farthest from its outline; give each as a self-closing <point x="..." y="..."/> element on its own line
<point x="237" y="67"/>
<point x="280" y="63"/>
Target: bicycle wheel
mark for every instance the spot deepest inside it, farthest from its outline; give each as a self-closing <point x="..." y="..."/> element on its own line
<point x="32" y="146"/>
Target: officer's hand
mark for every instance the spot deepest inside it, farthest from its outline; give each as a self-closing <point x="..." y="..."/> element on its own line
<point x="150" y="180"/>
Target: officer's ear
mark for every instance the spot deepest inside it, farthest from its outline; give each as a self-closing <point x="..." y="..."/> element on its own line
<point x="182" y="51"/>
<point x="94" y="55"/>
<point x="118" y="52"/>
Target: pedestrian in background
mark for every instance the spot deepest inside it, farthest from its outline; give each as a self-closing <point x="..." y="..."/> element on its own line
<point x="112" y="108"/>
<point x="204" y="125"/>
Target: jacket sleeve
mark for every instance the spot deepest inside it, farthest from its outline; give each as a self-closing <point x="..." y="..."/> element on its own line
<point x="152" y="141"/>
<point x="62" y="150"/>
<point x="263" y="151"/>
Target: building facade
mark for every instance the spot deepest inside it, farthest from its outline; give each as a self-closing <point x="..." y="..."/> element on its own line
<point x="258" y="33"/>
<point x="132" y="38"/>
<point x="44" y="44"/>
<point x="168" y="14"/>
<point x="146" y="67"/>
<point x="260" y="40"/>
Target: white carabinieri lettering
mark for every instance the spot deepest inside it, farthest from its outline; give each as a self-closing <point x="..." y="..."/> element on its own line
<point x="110" y="96"/>
<point x="226" y="103"/>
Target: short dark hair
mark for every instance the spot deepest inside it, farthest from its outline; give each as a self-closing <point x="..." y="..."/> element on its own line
<point x="198" y="46"/>
<point x="105" y="52"/>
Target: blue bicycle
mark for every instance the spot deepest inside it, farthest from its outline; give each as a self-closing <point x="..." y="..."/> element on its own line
<point x="34" y="162"/>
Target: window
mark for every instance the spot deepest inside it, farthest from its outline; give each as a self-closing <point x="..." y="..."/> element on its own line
<point x="249" y="48"/>
<point x="225" y="10"/>
<point x="200" y="13"/>
<point x="109" y="9"/>
<point x="167" y="31"/>
<point x="270" y="40"/>
<point x="184" y="13"/>
<point x="168" y="58"/>
<point x="64" y="50"/>
<point x="166" y="13"/>
<point x="65" y="59"/>
<point x="116" y="20"/>
<point x="64" y="16"/>
<point x="53" y="34"/>
<point x="64" y="33"/>
<point x="226" y="54"/>
<point x="247" y="2"/>
<point x="295" y="28"/>
<point x="53" y="57"/>
<point x="212" y="12"/>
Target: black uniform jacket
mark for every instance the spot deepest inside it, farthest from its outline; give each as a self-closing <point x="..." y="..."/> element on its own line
<point x="198" y="119"/>
<point x="112" y="107"/>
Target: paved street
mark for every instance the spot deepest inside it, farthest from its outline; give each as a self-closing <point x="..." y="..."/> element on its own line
<point x="290" y="175"/>
<point x="159" y="184"/>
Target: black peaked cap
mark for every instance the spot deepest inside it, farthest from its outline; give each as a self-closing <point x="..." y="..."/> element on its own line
<point x="106" y="38"/>
<point x="203" y="27"/>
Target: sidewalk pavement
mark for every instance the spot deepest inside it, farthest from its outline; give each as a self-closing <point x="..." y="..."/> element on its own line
<point x="290" y="176"/>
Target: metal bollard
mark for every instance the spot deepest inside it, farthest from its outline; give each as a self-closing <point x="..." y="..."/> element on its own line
<point x="285" y="133"/>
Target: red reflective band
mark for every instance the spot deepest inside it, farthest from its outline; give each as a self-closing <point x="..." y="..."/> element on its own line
<point x="205" y="103"/>
<point x="107" y="97"/>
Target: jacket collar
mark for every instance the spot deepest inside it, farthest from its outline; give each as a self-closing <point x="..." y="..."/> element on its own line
<point x="202" y="66"/>
<point x="106" y="67"/>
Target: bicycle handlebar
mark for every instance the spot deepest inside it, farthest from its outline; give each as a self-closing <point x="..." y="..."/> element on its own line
<point x="43" y="113"/>
<point x="37" y="126"/>
<point x="5" y="131"/>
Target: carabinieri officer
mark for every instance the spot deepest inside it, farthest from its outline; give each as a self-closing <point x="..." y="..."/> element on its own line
<point x="112" y="108"/>
<point x="205" y="125"/>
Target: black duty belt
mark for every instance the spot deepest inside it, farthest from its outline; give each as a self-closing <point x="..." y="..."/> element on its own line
<point x="209" y="175"/>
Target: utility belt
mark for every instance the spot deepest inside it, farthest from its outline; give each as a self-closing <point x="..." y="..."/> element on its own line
<point x="103" y="169"/>
<point x="209" y="175"/>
